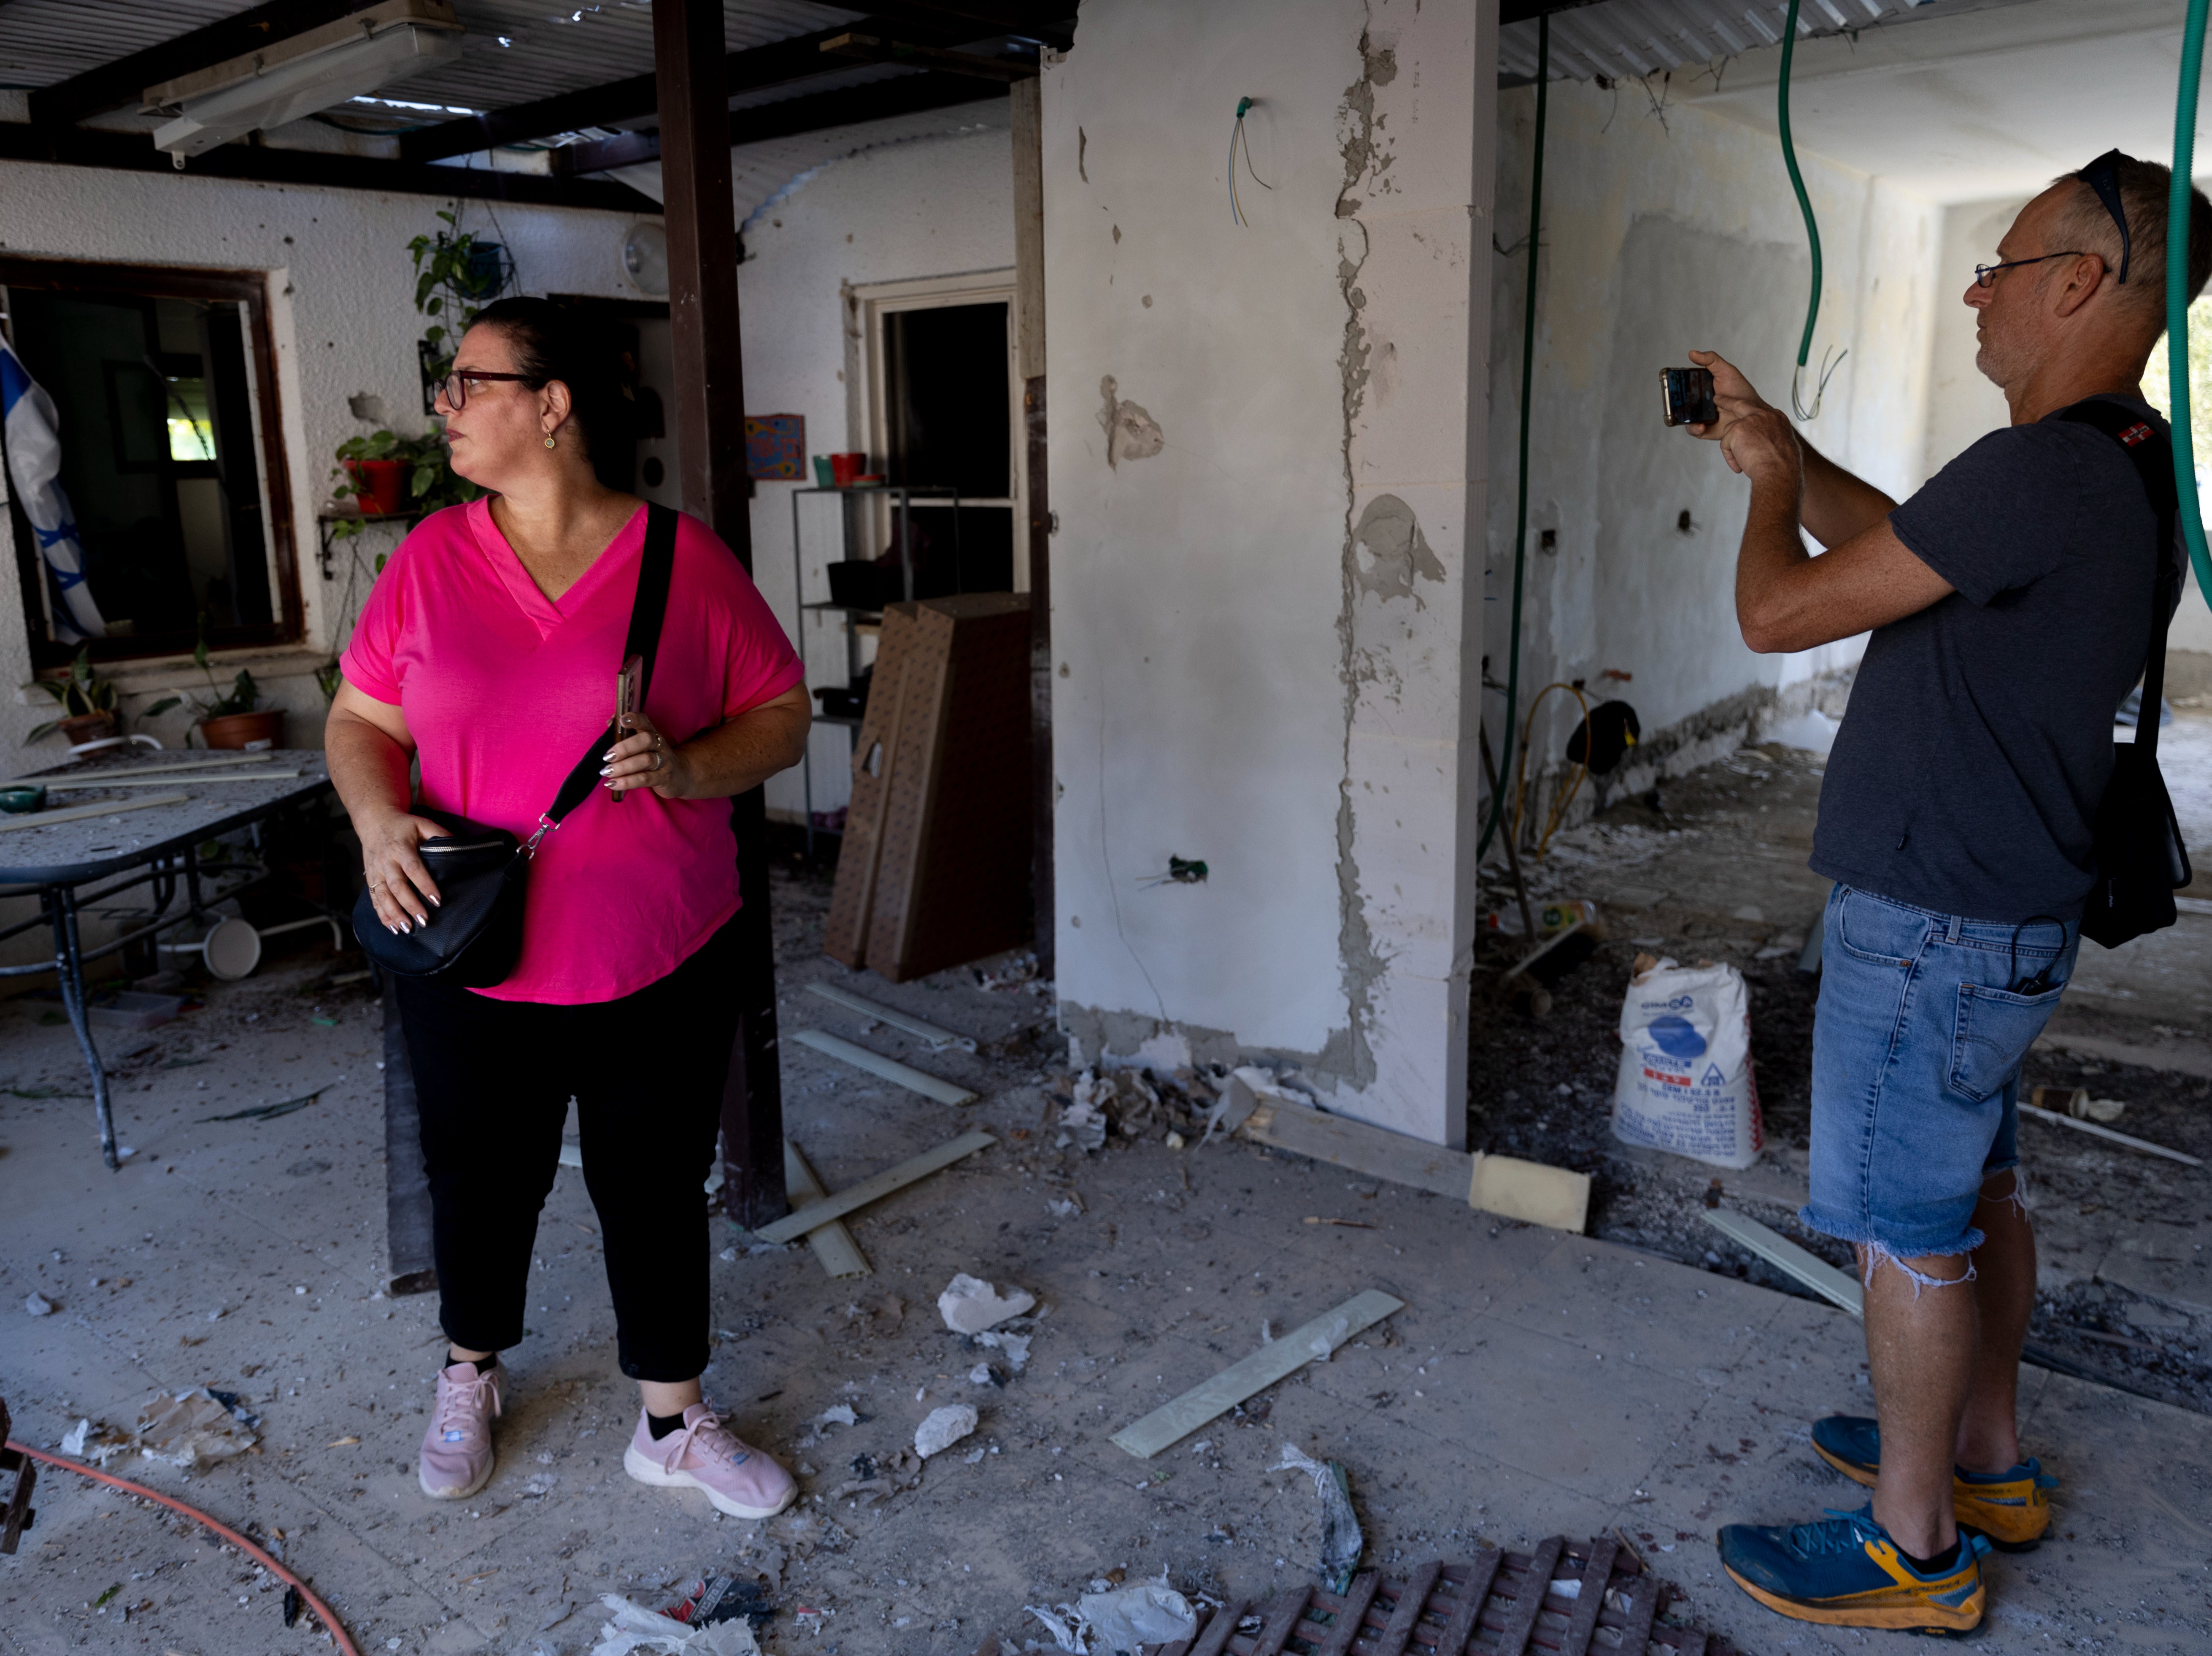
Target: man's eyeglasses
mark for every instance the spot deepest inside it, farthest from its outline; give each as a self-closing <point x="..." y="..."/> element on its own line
<point x="1983" y="274"/>
<point x="456" y="386"/>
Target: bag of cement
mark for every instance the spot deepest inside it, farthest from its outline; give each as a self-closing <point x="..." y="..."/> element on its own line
<point x="1685" y="1083"/>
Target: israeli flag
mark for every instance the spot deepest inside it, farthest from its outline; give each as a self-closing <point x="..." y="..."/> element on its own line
<point x="34" y="466"/>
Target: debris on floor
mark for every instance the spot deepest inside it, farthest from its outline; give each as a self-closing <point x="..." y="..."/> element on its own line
<point x="194" y="1428"/>
<point x="716" y="1598"/>
<point x="1341" y="1542"/>
<point x="970" y="1305"/>
<point x="1128" y="1618"/>
<point x="816" y="1214"/>
<point x="1171" y="1422"/>
<point x="632" y="1626"/>
<point x="943" y="1429"/>
<point x="2128" y="1139"/>
<point x="1685" y="1084"/>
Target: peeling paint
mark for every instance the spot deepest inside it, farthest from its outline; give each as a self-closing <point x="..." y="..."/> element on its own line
<point x="1082" y="148"/>
<point x="1347" y="1052"/>
<point x="1397" y="550"/>
<point x="1131" y="433"/>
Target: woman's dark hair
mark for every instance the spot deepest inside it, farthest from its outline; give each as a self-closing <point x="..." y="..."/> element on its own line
<point x="553" y="342"/>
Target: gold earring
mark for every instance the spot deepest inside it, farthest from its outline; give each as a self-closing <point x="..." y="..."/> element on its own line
<point x="549" y="440"/>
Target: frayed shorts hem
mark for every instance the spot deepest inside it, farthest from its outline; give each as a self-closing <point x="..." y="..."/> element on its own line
<point x="1862" y="1233"/>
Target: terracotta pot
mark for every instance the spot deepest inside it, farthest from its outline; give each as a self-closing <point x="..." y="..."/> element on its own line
<point x="82" y="727"/>
<point x="261" y="729"/>
<point x="381" y="486"/>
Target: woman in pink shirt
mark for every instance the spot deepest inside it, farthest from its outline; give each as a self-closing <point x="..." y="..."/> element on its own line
<point x="488" y="650"/>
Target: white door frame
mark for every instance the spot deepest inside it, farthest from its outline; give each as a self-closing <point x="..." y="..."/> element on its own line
<point x="877" y="299"/>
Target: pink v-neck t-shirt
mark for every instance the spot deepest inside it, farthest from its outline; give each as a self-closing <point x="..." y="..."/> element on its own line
<point x="504" y="688"/>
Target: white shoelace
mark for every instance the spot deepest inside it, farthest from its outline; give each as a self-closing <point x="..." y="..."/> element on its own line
<point x="709" y="1436"/>
<point x="459" y="1402"/>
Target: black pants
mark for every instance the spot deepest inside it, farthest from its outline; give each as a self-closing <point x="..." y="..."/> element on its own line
<point x="493" y="1079"/>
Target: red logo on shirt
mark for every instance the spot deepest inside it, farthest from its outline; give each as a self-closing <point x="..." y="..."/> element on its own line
<point x="2135" y="433"/>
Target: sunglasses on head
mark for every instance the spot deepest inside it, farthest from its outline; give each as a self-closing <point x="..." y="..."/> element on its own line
<point x="2103" y="175"/>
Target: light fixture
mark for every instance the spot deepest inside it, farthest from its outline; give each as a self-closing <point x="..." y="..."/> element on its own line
<point x="301" y="74"/>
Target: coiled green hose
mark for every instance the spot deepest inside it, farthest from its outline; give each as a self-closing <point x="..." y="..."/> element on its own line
<point x="2177" y="293"/>
<point x="1521" y="511"/>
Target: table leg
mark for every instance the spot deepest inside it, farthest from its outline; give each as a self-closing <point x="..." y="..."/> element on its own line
<point x="69" y="966"/>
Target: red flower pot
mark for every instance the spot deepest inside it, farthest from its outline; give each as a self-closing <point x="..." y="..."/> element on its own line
<point x="380" y="486"/>
<point x="265" y="728"/>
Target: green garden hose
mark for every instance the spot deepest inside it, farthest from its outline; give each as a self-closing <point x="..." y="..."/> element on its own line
<point x="2177" y="293"/>
<point x="1812" y="229"/>
<point x="1521" y="511"/>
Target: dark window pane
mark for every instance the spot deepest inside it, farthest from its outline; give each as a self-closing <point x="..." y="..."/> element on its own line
<point x="945" y="400"/>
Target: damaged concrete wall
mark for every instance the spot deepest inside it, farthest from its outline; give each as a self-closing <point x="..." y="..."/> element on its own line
<point x="1262" y="609"/>
<point x="936" y="206"/>
<point x="341" y="300"/>
<point x="1665" y="228"/>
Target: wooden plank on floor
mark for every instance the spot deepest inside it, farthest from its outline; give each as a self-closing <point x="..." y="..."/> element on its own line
<point x="889" y="1069"/>
<point x="1575" y="1641"/>
<point x="1459" y="1626"/>
<point x="1521" y="1620"/>
<point x="1348" y="1613"/>
<point x="1213" y="1638"/>
<point x="1780" y="1251"/>
<point x="1175" y="1420"/>
<point x="833" y="1243"/>
<point x="1406" y="1615"/>
<point x="1643" y="1605"/>
<point x="854" y="1197"/>
<point x="1361" y="1148"/>
<point x="1283" y="1618"/>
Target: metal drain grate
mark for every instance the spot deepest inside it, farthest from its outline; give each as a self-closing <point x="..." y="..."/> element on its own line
<point x="1500" y="1604"/>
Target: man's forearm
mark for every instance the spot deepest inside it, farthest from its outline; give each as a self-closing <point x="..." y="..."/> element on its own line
<point x="1772" y="550"/>
<point x="1837" y="505"/>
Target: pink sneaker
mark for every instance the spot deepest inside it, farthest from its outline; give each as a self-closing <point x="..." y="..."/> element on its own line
<point x="704" y="1454"/>
<point x="457" y="1457"/>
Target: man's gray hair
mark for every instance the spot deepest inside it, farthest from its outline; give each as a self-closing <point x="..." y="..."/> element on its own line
<point x="2081" y="221"/>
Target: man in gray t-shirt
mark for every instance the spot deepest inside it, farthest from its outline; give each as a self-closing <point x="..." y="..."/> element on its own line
<point x="2010" y="603"/>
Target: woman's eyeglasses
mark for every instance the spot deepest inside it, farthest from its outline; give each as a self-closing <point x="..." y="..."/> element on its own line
<point x="456" y="386"/>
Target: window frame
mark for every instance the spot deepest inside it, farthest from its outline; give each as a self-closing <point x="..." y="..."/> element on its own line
<point x="874" y="302"/>
<point x="246" y="288"/>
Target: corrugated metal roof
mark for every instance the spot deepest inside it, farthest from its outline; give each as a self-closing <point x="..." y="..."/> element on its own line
<point x="515" y="51"/>
<point x="1644" y="37"/>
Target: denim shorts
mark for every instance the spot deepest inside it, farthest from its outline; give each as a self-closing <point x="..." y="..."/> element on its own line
<point x="1917" y="1044"/>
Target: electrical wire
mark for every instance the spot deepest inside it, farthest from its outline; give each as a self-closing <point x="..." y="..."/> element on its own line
<point x="1558" y="810"/>
<point x="1811" y="234"/>
<point x="1528" y="371"/>
<point x="2177" y="293"/>
<point x="307" y="1593"/>
<point x="1237" y="137"/>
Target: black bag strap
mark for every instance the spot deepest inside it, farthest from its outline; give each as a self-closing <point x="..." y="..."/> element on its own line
<point x="655" y="573"/>
<point x="2154" y="463"/>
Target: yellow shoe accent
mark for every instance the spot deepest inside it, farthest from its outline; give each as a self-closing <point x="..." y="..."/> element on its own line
<point x="2016" y="1514"/>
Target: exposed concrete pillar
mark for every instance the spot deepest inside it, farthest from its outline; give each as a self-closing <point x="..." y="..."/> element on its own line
<point x="1267" y="471"/>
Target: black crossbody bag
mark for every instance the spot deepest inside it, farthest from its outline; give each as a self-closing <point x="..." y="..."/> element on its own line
<point x="2140" y="860"/>
<point x="475" y="935"/>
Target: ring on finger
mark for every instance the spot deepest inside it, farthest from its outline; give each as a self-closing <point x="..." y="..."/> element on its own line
<point x="658" y="761"/>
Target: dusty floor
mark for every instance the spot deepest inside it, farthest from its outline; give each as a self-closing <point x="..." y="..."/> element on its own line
<point x="1573" y="1384"/>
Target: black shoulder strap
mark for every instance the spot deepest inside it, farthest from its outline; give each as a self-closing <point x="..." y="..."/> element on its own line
<point x="654" y="572"/>
<point x="2154" y="463"/>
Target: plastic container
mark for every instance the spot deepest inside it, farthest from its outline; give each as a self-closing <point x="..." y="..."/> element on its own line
<point x="380" y="486"/>
<point x="132" y="1009"/>
<point x="844" y="469"/>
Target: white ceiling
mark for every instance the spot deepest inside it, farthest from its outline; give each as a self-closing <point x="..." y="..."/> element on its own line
<point x="1973" y="108"/>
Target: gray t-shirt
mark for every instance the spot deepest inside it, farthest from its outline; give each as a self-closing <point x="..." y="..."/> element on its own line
<point x="1978" y="741"/>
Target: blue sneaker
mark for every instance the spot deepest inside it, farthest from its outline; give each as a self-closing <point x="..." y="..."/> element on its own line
<point x="2011" y="1507"/>
<point x="1846" y="1572"/>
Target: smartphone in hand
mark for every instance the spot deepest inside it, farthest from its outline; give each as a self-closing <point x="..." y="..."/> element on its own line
<point x="629" y="693"/>
<point x="1687" y="396"/>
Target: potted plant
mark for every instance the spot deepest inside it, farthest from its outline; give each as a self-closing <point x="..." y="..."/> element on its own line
<point x="232" y="718"/>
<point x="393" y="475"/>
<point x="88" y="703"/>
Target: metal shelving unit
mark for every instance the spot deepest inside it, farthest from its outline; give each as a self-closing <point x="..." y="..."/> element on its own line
<point x="857" y="621"/>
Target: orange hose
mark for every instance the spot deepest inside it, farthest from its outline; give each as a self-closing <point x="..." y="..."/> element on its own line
<point x="321" y="1610"/>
